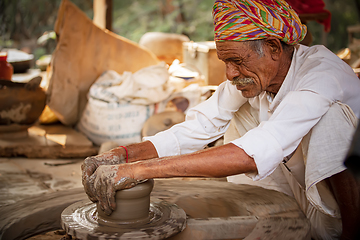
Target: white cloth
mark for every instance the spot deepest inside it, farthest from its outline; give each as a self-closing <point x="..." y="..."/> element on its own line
<point x="245" y="119"/>
<point x="316" y="79"/>
<point x="147" y="86"/>
<point x="322" y="150"/>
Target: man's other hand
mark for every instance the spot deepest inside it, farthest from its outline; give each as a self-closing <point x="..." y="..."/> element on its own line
<point x="90" y="164"/>
<point x="106" y="180"/>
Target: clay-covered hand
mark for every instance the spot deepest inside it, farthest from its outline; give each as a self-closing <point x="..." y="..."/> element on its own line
<point x="108" y="179"/>
<point x="90" y="165"/>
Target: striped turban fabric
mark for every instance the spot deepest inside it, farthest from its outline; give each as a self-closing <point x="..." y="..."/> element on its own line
<point x="242" y="20"/>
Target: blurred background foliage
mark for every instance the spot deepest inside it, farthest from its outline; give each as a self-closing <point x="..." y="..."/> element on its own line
<point x="344" y="13"/>
<point x="193" y="18"/>
<point x="22" y="22"/>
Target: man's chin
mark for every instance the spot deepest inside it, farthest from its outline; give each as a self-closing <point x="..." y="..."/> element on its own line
<point x="248" y="94"/>
<point x="247" y="91"/>
<point x="240" y="88"/>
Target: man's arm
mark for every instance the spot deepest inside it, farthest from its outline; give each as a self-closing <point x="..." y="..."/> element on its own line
<point x="205" y="123"/>
<point x="215" y="162"/>
<point x="138" y="151"/>
<point x="219" y="161"/>
<point x="346" y="191"/>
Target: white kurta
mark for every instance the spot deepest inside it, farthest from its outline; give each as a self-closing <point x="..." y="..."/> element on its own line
<point x="271" y="129"/>
<point x="316" y="79"/>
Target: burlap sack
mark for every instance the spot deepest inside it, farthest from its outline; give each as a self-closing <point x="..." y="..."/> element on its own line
<point x="83" y="53"/>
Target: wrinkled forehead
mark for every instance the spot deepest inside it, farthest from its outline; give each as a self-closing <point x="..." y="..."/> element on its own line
<point x="226" y="49"/>
<point x="231" y="44"/>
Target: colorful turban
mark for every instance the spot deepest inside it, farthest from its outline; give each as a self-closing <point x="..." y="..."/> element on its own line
<point x="242" y="20"/>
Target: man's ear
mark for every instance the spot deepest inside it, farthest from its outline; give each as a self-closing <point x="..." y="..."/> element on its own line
<point x="274" y="47"/>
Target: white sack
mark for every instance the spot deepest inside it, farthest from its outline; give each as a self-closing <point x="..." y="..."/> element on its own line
<point x="146" y="86"/>
<point x="118" y="105"/>
<point x="119" y="122"/>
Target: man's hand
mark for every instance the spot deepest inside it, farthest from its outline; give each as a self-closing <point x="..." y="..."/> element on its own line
<point x="90" y="165"/>
<point x="106" y="180"/>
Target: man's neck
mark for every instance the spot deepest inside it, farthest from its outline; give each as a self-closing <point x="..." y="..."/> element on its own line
<point x="284" y="66"/>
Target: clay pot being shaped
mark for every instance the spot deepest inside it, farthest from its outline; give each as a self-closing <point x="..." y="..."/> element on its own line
<point x="132" y="205"/>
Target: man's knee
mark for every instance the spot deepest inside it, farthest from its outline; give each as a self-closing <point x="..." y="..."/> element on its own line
<point x="340" y="114"/>
<point x="336" y="127"/>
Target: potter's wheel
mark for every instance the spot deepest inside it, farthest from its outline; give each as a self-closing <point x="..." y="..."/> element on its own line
<point x="81" y="220"/>
<point x="134" y="217"/>
<point x="214" y="210"/>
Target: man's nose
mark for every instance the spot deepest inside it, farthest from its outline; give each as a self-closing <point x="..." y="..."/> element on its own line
<point x="231" y="71"/>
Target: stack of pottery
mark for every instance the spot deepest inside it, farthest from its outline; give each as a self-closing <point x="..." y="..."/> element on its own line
<point x="21" y="104"/>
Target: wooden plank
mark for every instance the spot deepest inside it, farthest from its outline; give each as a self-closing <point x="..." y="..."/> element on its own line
<point x="52" y="141"/>
<point x="81" y="57"/>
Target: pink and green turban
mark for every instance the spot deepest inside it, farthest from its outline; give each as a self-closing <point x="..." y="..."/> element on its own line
<point x="242" y="20"/>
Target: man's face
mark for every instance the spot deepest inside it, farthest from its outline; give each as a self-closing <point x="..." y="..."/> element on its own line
<point x="244" y="68"/>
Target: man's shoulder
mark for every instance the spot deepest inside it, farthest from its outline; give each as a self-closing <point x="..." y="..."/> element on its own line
<point x="318" y="59"/>
<point x="318" y="70"/>
<point x="316" y="52"/>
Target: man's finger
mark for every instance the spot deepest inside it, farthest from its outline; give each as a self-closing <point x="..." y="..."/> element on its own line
<point x="111" y="198"/>
<point x="100" y="193"/>
<point x="125" y="183"/>
<point x="87" y="162"/>
<point x="91" y="195"/>
<point x="89" y="169"/>
<point x="89" y="186"/>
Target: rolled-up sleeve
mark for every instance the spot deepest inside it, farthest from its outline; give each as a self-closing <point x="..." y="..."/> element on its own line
<point x="278" y="137"/>
<point x="204" y="123"/>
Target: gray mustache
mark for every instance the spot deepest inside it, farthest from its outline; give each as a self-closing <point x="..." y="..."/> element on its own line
<point x="242" y="81"/>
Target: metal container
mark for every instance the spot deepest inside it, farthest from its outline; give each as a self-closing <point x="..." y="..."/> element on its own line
<point x="203" y="56"/>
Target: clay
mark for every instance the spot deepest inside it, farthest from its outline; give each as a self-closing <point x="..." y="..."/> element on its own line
<point x="131" y="204"/>
<point x="133" y="218"/>
<point x="164" y="220"/>
<point x="243" y="211"/>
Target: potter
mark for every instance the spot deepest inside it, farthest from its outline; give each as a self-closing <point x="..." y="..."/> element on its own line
<point x="287" y="113"/>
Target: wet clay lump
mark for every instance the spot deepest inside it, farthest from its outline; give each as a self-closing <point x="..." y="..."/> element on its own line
<point x="131" y="204"/>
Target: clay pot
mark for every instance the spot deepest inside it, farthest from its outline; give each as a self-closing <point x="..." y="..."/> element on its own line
<point x="21" y="103"/>
<point x="131" y="204"/>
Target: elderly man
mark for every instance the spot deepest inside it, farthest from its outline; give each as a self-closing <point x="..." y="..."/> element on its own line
<point x="289" y="111"/>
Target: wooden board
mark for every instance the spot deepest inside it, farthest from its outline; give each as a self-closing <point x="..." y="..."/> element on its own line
<point x="45" y="141"/>
<point x="83" y="52"/>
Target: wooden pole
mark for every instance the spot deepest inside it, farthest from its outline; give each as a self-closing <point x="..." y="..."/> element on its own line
<point x="109" y="10"/>
<point x="103" y="13"/>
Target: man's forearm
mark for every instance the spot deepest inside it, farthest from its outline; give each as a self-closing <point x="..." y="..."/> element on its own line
<point x="346" y="190"/>
<point x="137" y="151"/>
<point x="213" y="162"/>
<point x="220" y="161"/>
